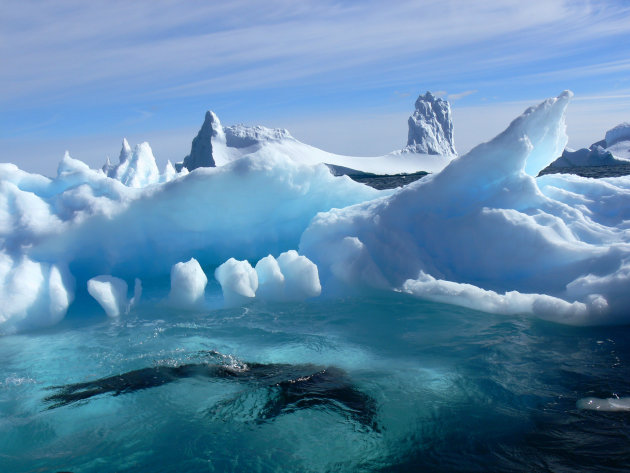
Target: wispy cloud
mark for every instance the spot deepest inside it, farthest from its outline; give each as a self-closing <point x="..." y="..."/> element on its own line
<point x="461" y="95"/>
<point x="50" y="50"/>
<point x="77" y="58"/>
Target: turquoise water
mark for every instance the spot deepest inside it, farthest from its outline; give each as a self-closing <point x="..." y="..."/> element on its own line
<point x="379" y="383"/>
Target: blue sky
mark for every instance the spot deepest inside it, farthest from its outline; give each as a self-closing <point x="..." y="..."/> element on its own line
<point x="341" y="75"/>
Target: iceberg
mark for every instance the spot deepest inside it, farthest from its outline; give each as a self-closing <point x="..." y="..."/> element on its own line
<point x="430" y="136"/>
<point x="617" y="134"/>
<point x="594" y="156"/>
<point x="205" y="145"/>
<point x="481" y="231"/>
<point x="301" y="276"/>
<point x="32" y="294"/>
<point x="431" y="127"/>
<point x="613" y="150"/>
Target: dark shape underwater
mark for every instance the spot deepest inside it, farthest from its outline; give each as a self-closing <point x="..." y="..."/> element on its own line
<point x="287" y="388"/>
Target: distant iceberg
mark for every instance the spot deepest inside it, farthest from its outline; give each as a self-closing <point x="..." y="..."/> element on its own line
<point x="431" y="127"/>
<point x="613" y="150"/>
<point x="430" y="145"/>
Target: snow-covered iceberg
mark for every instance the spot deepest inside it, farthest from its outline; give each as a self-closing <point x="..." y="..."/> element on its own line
<point x="56" y="234"/>
<point x="482" y="233"/>
<point x="430" y="145"/>
<point x="594" y="156"/>
<point x="618" y="134"/>
<point x="482" y="229"/>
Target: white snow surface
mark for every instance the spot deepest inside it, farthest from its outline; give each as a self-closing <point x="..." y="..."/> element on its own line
<point x="482" y="232"/>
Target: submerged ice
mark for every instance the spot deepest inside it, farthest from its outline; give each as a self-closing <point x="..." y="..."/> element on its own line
<point x="481" y="231"/>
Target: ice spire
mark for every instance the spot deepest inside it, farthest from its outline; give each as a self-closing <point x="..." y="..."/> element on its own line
<point x="201" y="151"/>
<point x="431" y="127"/>
<point x="125" y="151"/>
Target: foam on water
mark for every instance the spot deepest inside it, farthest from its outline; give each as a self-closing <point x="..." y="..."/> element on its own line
<point x="612" y="404"/>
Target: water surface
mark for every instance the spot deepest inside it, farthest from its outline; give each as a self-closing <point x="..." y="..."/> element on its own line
<point x="408" y="386"/>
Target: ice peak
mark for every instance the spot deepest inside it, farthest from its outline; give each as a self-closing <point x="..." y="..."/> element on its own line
<point x="201" y="151"/>
<point x="125" y="151"/>
<point x="69" y="165"/>
<point x="427" y="97"/>
<point x="540" y="134"/>
<point x="431" y="127"/>
<point x="125" y="154"/>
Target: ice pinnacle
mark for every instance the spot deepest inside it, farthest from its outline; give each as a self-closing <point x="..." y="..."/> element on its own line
<point x="431" y="127"/>
<point x="201" y="149"/>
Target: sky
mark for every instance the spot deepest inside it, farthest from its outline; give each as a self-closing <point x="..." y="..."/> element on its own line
<point x="340" y="75"/>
